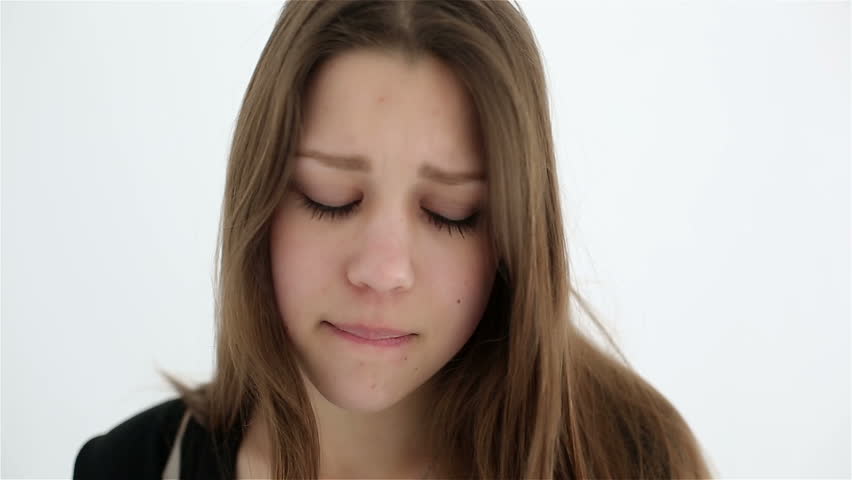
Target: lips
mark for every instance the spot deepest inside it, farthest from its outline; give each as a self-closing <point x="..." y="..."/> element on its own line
<point x="370" y="333"/>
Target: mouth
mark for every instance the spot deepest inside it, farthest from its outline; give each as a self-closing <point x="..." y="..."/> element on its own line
<point x="371" y="335"/>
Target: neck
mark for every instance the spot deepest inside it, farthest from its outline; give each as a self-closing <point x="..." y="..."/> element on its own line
<point x="386" y="444"/>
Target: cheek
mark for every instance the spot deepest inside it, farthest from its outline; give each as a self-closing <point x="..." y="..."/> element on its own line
<point x="301" y="268"/>
<point x="463" y="280"/>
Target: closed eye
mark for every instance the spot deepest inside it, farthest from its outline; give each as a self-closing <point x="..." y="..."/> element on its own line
<point x="319" y="211"/>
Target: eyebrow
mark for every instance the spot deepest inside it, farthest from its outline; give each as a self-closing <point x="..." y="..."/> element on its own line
<point x="360" y="163"/>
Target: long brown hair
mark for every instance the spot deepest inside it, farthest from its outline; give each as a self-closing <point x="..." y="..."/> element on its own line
<point x="530" y="395"/>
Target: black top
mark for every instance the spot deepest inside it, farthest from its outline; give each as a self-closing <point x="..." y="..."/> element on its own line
<point x="139" y="448"/>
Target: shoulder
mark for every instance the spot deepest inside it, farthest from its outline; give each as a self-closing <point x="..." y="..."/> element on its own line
<point x="136" y="448"/>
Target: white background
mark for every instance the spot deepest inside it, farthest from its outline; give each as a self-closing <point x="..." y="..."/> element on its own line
<point x="704" y="158"/>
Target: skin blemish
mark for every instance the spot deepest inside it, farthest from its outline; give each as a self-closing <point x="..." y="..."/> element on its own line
<point x="458" y="300"/>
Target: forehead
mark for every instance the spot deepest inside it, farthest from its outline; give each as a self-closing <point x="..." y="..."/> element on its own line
<point x="364" y="100"/>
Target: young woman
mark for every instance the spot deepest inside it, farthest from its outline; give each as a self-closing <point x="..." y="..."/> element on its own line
<point x="393" y="287"/>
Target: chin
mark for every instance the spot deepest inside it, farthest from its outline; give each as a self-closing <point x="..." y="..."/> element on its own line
<point x="361" y="396"/>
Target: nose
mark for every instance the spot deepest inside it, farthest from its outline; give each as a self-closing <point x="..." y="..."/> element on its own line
<point x="382" y="260"/>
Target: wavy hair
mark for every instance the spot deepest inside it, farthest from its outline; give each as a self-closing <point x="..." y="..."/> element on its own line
<point x="529" y="395"/>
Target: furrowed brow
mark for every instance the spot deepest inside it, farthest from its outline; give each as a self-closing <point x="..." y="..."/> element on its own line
<point x="359" y="163"/>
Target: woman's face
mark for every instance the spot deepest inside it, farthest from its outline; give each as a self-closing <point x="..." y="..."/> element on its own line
<point x="387" y="137"/>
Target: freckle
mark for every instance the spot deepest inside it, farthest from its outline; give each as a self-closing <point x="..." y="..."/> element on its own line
<point x="404" y="358"/>
<point x="458" y="300"/>
<point x="381" y="99"/>
<point x="373" y="386"/>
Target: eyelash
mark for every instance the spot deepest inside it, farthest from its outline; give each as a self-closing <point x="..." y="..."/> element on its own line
<point x="319" y="210"/>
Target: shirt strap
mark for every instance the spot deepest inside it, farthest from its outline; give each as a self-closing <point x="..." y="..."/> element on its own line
<point x="172" y="470"/>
